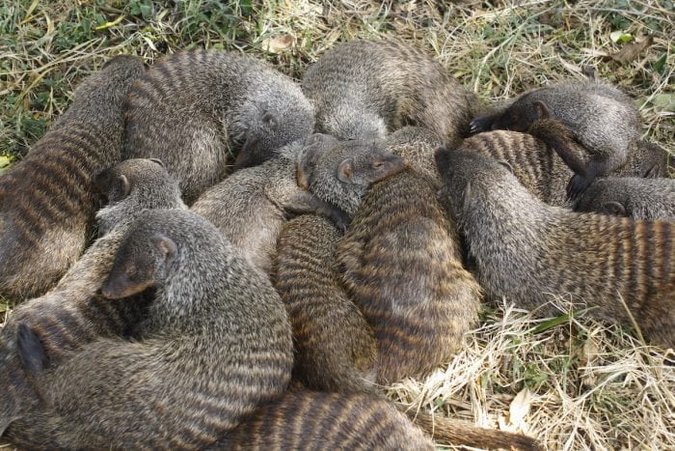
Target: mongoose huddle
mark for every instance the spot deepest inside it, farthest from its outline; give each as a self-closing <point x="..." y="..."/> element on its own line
<point x="528" y="251"/>
<point x="365" y="89"/>
<point x="400" y="260"/>
<point x="47" y="200"/>
<point x="586" y="108"/>
<point x="73" y="313"/>
<point x="194" y="109"/>
<point x="211" y="363"/>
<point x="212" y="328"/>
<point x="250" y="206"/>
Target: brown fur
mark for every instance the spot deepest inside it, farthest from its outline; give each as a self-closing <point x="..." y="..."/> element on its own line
<point x="528" y="251"/>
<point x="600" y="118"/>
<point x="365" y="89"/>
<point x="215" y="344"/>
<point x="73" y="313"/>
<point x="47" y="200"/>
<point x="313" y="420"/>
<point x="401" y="263"/>
<point x="334" y="345"/>
<point x="250" y="206"/>
<point x="196" y="108"/>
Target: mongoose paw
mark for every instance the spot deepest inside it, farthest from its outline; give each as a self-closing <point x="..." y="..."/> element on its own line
<point x="31" y="351"/>
<point x="480" y="124"/>
<point x="577" y="185"/>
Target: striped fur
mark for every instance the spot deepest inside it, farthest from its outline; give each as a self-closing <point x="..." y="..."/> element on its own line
<point x="215" y="344"/>
<point x="73" y="314"/>
<point x="365" y="89"/>
<point x="194" y="109"/>
<point x="401" y="263"/>
<point x="334" y="345"/>
<point x="47" y="201"/>
<point x="312" y="420"/>
<point x="538" y="168"/>
<point x="528" y="251"/>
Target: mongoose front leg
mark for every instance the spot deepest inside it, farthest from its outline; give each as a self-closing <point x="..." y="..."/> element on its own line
<point x="304" y="202"/>
<point x="482" y="123"/>
<point x="581" y="181"/>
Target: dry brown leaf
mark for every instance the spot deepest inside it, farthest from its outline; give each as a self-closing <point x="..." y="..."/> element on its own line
<point x="520" y="407"/>
<point x="632" y="50"/>
<point x="278" y="44"/>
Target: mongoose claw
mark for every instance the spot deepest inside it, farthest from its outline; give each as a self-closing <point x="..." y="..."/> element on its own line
<point x="480" y="124"/>
<point x="577" y="185"/>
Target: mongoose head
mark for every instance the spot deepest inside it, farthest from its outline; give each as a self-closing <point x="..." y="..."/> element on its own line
<point x="467" y="175"/>
<point x="521" y="115"/>
<point x="271" y="124"/>
<point x="340" y="172"/>
<point x="143" y="261"/>
<point x="649" y="160"/>
<point x="131" y="186"/>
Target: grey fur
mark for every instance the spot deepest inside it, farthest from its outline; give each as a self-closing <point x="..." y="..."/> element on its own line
<point x="250" y="206"/>
<point x="47" y="201"/>
<point x="365" y="89"/>
<point x="215" y="344"/>
<point x="368" y="162"/>
<point x="530" y="252"/>
<point x="636" y="198"/>
<point x="73" y="313"/>
<point x="194" y="109"/>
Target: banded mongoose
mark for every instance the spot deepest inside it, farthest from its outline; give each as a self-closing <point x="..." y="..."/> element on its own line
<point x="251" y="205"/>
<point x="366" y="89"/>
<point x="334" y="345"/>
<point x="215" y="344"/>
<point x="401" y="262"/>
<point x="47" y="200"/>
<point x="530" y="252"/>
<point x="602" y="119"/>
<point x="541" y="170"/>
<point x="73" y="313"/>
<point x="194" y="109"/>
<point x="636" y="198"/>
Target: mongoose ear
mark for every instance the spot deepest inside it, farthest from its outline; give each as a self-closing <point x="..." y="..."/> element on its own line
<point x="301" y="175"/>
<point x="345" y="171"/>
<point x="158" y="161"/>
<point x="613" y="208"/>
<point x="541" y="110"/>
<point x="115" y="186"/>
<point x="166" y="246"/>
<point x="31" y="351"/>
<point x="507" y="165"/>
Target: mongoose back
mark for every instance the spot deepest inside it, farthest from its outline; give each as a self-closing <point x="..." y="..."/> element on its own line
<point x="601" y="118"/>
<point x="365" y="89"/>
<point x="540" y="169"/>
<point x="251" y="205"/>
<point x="73" y="313"/>
<point x="194" y="109"/>
<point x="401" y="262"/>
<point x="47" y="200"/>
<point x="335" y="350"/>
<point x="528" y="251"/>
<point x="215" y="343"/>
<point x="334" y="345"/>
<point x="636" y="198"/>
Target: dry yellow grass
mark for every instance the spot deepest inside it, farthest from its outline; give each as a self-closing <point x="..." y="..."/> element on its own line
<point x="573" y="383"/>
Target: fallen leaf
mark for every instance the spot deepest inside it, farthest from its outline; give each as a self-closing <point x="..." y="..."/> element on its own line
<point x="278" y="43"/>
<point x="630" y="52"/>
<point x="620" y="37"/>
<point x="520" y="407"/>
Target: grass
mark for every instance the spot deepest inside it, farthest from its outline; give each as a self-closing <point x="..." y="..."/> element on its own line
<point x="572" y="382"/>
